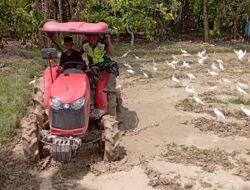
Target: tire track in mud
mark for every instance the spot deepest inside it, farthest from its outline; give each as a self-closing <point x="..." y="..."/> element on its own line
<point x="15" y="172"/>
<point x="137" y="132"/>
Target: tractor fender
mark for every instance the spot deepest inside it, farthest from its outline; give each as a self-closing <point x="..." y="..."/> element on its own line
<point x="48" y="84"/>
<point x="100" y="96"/>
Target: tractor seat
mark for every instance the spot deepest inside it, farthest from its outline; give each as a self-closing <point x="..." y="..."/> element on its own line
<point x="72" y="70"/>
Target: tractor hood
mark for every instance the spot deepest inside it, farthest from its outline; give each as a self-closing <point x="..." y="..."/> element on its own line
<point x="69" y="87"/>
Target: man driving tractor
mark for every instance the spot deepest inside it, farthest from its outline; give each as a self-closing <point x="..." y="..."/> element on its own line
<point x="97" y="50"/>
<point x="71" y="55"/>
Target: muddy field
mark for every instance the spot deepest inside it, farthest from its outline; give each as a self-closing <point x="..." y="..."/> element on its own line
<point x="169" y="142"/>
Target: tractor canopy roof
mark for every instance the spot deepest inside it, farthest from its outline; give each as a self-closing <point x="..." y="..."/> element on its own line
<point x="75" y="27"/>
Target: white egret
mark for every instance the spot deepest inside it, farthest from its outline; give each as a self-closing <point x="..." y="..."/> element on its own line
<point x="212" y="73"/>
<point x="186" y="65"/>
<point x="175" y="79"/>
<point x="218" y="113"/>
<point x="201" y="61"/>
<point x="32" y="82"/>
<point x="190" y="90"/>
<point x="245" y="110"/>
<point x="130" y="71"/>
<point x="240" y="54"/>
<point x="154" y="66"/>
<point x="221" y="66"/>
<point x="145" y="75"/>
<point x="128" y="66"/>
<point x="170" y="64"/>
<point x="225" y="81"/>
<point x="136" y="57"/>
<point x="174" y="62"/>
<point x="186" y="54"/>
<point x="125" y="54"/>
<point x="202" y="54"/>
<point x="198" y="100"/>
<point x="174" y="57"/>
<point x="242" y="85"/>
<point x="214" y="67"/>
<point x="219" y="61"/>
<point x="240" y="90"/>
<point x="184" y="51"/>
<point x="199" y="55"/>
<point x="191" y="76"/>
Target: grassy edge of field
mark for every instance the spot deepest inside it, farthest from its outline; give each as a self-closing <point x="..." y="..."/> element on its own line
<point x="15" y="95"/>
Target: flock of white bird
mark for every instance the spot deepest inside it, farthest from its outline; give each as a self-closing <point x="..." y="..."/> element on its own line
<point x="215" y="70"/>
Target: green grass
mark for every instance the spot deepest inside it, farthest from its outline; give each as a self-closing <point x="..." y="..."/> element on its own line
<point x="239" y="101"/>
<point x="14" y="97"/>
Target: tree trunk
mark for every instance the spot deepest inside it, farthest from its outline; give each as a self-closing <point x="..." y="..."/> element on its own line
<point x="53" y="9"/>
<point x="1" y="43"/>
<point x="235" y="21"/>
<point x="66" y="12"/>
<point x="131" y="33"/>
<point x="78" y="10"/>
<point x="186" y="16"/>
<point x="60" y="16"/>
<point x="132" y="41"/>
<point x="205" y="21"/>
<point x="45" y="9"/>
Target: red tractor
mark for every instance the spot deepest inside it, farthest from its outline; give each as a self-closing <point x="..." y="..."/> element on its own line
<point x="61" y="116"/>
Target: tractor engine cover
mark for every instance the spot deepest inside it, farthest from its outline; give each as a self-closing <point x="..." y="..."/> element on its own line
<point x="67" y="121"/>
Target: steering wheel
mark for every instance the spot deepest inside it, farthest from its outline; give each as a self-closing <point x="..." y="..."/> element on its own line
<point x="73" y="65"/>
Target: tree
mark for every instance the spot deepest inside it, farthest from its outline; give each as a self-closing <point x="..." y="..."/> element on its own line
<point x="134" y="16"/>
<point x="205" y="21"/>
<point x="15" y="21"/>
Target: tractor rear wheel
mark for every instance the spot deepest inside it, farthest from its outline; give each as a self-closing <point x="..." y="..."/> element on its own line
<point x="111" y="138"/>
<point x="118" y="101"/>
<point x="39" y="110"/>
<point x="32" y="148"/>
<point x="114" y="103"/>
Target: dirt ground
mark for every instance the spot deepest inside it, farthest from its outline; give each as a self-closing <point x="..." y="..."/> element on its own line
<point x="168" y="141"/>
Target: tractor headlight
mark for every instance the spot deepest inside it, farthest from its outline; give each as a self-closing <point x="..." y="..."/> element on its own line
<point x="55" y="104"/>
<point x="78" y="104"/>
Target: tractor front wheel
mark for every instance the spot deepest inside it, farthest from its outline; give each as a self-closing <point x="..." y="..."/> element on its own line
<point x="38" y="101"/>
<point x="32" y="148"/>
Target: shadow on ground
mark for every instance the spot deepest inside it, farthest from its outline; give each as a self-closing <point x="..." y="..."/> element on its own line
<point x="128" y="120"/>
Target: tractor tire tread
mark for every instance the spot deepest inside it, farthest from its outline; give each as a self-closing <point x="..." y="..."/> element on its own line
<point x="112" y="138"/>
<point x="30" y="140"/>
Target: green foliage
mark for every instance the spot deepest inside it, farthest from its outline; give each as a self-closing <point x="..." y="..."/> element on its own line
<point x="222" y="14"/>
<point x="140" y="15"/>
<point x="155" y="19"/>
<point x="15" y="21"/>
